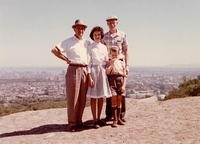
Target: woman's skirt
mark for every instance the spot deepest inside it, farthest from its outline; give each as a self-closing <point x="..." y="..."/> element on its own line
<point x="101" y="87"/>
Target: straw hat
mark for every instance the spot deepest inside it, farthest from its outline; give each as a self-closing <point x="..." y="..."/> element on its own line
<point x="79" y="22"/>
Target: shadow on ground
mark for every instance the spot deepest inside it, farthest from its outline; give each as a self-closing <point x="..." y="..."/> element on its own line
<point x="49" y="128"/>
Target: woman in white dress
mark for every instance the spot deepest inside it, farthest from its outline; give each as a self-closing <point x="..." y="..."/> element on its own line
<point x="98" y="82"/>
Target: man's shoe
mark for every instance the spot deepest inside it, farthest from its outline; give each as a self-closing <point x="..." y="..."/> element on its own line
<point x="101" y="122"/>
<point x="80" y="125"/>
<point x="108" y="119"/>
<point x="96" y="126"/>
<point x="72" y="128"/>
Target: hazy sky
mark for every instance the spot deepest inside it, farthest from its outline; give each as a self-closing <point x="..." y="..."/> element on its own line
<point x="160" y="32"/>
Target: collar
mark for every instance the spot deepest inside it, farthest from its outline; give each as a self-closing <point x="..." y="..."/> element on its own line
<point x="76" y="38"/>
<point x="114" y="34"/>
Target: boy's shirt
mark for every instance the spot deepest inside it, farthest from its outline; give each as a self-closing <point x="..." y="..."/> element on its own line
<point x="117" y="67"/>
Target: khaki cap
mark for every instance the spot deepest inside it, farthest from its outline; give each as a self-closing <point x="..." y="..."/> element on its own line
<point x="112" y="18"/>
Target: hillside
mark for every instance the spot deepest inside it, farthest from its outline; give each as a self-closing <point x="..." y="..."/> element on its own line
<point x="148" y="122"/>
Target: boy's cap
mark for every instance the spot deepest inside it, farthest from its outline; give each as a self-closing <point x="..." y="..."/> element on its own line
<point x="112" y="18"/>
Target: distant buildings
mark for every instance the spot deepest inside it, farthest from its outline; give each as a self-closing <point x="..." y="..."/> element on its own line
<point x="49" y="83"/>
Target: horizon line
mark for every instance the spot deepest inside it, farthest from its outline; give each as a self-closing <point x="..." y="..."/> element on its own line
<point x="131" y="66"/>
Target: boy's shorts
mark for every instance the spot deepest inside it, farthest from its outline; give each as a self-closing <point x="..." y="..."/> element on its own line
<point x="116" y="83"/>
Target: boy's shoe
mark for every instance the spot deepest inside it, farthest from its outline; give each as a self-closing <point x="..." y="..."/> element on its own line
<point x="123" y="119"/>
<point x="114" y="125"/>
<point x="120" y="122"/>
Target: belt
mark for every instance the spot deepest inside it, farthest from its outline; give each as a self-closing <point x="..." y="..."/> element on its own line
<point x="115" y="75"/>
<point x="78" y="65"/>
<point x="98" y="65"/>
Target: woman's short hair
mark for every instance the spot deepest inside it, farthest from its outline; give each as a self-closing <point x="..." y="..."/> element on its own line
<point x="97" y="28"/>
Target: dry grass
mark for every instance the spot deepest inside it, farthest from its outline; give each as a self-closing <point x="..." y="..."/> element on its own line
<point x="32" y="106"/>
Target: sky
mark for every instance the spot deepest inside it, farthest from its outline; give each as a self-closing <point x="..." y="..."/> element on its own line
<point x="159" y="32"/>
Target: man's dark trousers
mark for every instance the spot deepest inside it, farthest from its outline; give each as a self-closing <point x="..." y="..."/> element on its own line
<point x="109" y="108"/>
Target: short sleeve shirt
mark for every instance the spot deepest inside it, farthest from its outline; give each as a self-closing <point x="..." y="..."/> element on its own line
<point x="116" y="39"/>
<point x="76" y="50"/>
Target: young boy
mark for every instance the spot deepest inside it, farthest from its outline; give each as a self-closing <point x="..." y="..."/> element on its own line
<point x="116" y="72"/>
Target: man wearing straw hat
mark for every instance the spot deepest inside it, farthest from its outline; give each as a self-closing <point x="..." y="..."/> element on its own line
<point x="75" y="49"/>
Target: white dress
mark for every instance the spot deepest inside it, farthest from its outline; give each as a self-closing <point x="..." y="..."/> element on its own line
<point x="98" y="57"/>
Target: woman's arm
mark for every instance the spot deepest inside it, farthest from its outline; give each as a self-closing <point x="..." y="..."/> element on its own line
<point x="90" y="80"/>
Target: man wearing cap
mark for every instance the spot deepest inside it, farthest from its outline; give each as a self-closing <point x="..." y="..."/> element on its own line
<point x="75" y="49"/>
<point x="115" y="37"/>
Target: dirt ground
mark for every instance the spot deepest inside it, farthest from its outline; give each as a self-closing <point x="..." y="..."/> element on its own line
<point x="149" y="121"/>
